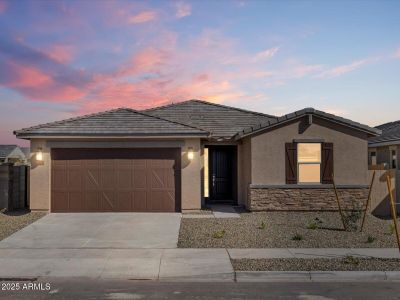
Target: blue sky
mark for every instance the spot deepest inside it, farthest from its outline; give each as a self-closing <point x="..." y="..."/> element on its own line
<point x="60" y="59"/>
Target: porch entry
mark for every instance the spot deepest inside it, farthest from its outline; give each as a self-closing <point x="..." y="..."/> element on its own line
<point x="222" y="174"/>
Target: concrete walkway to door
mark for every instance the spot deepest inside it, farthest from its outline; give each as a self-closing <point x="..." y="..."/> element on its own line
<point x="99" y="230"/>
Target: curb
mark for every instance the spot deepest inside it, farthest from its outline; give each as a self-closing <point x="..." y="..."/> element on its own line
<point x="316" y="276"/>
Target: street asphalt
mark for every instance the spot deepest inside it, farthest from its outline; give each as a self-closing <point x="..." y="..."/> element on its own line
<point x="125" y="289"/>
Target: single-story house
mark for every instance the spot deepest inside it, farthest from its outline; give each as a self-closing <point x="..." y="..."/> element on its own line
<point x="384" y="149"/>
<point x="181" y="156"/>
<point x="14" y="154"/>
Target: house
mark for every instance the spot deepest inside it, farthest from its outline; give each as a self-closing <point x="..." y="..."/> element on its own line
<point x="384" y="149"/>
<point x="13" y="154"/>
<point x="180" y="156"/>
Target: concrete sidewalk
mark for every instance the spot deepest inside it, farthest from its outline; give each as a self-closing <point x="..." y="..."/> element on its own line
<point x="152" y="264"/>
<point x="312" y="253"/>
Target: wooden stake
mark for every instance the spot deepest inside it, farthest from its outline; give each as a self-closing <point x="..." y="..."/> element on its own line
<point x="368" y="200"/>
<point x="393" y="206"/>
<point x="338" y="202"/>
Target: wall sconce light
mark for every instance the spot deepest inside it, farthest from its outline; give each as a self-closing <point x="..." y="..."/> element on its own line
<point x="39" y="154"/>
<point x="190" y="153"/>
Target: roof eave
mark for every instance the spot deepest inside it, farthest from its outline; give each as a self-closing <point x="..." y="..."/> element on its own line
<point x="29" y="136"/>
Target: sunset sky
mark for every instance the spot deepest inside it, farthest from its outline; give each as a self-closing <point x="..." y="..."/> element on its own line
<point x="60" y="59"/>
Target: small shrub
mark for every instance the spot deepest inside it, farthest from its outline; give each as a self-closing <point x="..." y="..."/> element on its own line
<point x="297" y="237"/>
<point x="219" y="234"/>
<point x="352" y="217"/>
<point x="262" y="225"/>
<point x="351" y="260"/>
<point x="371" y="239"/>
<point x="392" y="229"/>
<point x="312" y="226"/>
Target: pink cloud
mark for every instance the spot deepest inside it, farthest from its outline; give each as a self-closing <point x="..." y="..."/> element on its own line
<point x="60" y="53"/>
<point x="147" y="60"/>
<point x="183" y="10"/>
<point x="343" y="69"/>
<point x="37" y="85"/>
<point x="143" y="17"/>
<point x="266" y="54"/>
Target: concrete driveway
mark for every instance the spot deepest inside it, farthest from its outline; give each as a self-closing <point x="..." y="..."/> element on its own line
<point x="109" y="245"/>
<point x="99" y="230"/>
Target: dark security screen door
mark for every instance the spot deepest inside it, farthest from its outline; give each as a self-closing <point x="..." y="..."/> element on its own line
<point x="221" y="174"/>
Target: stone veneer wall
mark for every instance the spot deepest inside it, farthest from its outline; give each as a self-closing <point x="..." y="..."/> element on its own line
<point x="306" y="199"/>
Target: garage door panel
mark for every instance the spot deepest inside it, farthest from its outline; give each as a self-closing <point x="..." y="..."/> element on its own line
<point x="92" y="201"/>
<point x="124" y="201"/>
<point x="139" y="200"/>
<point x="91" y="179"/>
<point x="59" y="179"/>
<point x="62" y="201"/>
<point x="124" y="178"/>
<point x="114" y="180"/>
<point x="75" y="202"/>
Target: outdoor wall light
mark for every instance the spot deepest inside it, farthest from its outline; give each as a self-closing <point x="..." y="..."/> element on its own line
<point x="190" y="153"/>
<point x="39" y="154"/>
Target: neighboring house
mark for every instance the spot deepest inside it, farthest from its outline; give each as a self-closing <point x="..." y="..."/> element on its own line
<point x="180" y="156"/>
<point x="13" y="154"/>
<point x="385" y="149"/>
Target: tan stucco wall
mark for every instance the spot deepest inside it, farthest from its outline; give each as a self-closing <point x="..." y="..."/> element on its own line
<point x="39" y="183"/>
<point x="350" y="152"/>
<point x="40" y="175"/>
<point x="244" y="170"/>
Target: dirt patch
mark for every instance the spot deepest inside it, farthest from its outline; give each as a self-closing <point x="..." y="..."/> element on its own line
<point x="14" y="221"/>
<point x="284" y="229"/>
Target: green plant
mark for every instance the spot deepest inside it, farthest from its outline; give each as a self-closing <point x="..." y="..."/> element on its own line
<point x="219" y="234"/>
<point x="262" y="225"/>
<point x="371" y="239"/>
<point x="351" y="260"/>
<point x="312" y="225"/>
<point x="297" y="237"/>
<point x="391" y="229"/>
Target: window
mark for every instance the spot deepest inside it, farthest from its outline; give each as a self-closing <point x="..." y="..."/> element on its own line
<point x="394" y="159"/>
<point x="373" y="158"/>
<point x="309" y="162"/>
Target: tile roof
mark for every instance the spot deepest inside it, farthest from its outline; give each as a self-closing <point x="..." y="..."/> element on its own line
<point x="308" y="111"/>
<point x="220" y="120"/>
<point x="390" y="133"/>
<point x="117" y="122"/>
<point x="5" y="150"/>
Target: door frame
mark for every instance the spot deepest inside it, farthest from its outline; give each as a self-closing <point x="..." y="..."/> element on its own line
<point x="233" y="152"/>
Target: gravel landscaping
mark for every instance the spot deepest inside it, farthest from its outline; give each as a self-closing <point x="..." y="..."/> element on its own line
<point x="11" y="222"/>
<point x="350" y="263"/>
<point x="285" y="229"/>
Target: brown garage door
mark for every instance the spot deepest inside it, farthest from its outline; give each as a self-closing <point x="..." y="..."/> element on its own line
<point x="115" y="180"/>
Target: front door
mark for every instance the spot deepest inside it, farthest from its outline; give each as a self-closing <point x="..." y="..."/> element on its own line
<point x="221" y="173"/>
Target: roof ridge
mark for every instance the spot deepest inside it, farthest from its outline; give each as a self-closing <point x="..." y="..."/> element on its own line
<point x="233" y="108"/>
<point x="211" y="103"/>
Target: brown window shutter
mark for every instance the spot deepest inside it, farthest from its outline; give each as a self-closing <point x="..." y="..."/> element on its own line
<point x="327" y="163"/>
<point x="291" y="163"/>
